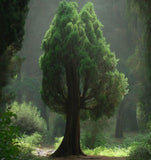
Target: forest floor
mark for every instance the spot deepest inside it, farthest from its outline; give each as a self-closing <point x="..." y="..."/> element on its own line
<point x="45" y="152"/>
<point x="89" y="158"/>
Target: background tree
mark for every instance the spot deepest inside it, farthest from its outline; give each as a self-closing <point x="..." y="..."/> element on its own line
<point x="79" y="71"/>
<point x="12" y="18"/>
<point x="143" y="53"/>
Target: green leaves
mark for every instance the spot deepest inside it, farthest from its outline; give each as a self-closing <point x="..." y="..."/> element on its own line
<point x="28" y="118"/>
<point x="8" y="132"/>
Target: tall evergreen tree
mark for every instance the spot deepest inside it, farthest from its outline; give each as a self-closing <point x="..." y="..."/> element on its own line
<point x="79" y="71"/>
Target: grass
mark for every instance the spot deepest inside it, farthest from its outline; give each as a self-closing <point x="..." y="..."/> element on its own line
<point x="110" y="152"/>
<point x="114" y="147"/>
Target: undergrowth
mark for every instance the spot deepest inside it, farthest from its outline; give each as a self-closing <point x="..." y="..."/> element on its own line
<point x="133" y="147"/>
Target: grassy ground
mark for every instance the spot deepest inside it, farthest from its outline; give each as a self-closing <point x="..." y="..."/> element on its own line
<point x="112" y="150"/>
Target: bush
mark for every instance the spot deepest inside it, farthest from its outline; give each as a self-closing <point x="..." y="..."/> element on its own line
<point x="13" y="147"/>
<point x="30" y="141"/>
<point x="140" y="153"/>
<point x="8" y="146"/>
<point x="141" y="149"/>
<point x="28" y="118"/>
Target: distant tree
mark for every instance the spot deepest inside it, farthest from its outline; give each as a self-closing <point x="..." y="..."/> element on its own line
<point x="12" y="19"/>
<point x="142" y="9"/>
<point x="79" y="71"/>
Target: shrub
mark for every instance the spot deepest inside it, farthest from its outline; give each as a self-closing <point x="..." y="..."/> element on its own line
<point x="8" y="132"/>
<point x="28" y="118"/>
<point x="140" y="153"/>
<point x="141" y="149"/>
<point x="30" y="141"/>
<point x="27" y="145"/>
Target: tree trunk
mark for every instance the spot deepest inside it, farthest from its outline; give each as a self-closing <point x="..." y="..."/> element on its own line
<point x="71" y="141"/>
<point x="119" y="128"/>
<point x="119" y="123"/>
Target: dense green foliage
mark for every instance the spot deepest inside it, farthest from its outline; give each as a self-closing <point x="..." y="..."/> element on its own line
<point x="12" y="16"/>
<point x="12" y="145"/>
<point x="8" y="147"/>
<point x="142" y="149"/>
<point x="28" y="118"/>
<point x="75" y="44"/>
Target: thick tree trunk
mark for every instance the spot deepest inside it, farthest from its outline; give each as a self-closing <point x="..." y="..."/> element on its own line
<point x="71" y="142"/>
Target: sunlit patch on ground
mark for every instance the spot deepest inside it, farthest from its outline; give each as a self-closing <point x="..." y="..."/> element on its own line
<point x="43" y="152"/>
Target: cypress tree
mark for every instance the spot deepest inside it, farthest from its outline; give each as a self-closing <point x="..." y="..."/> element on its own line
<point x="80" y="78"/>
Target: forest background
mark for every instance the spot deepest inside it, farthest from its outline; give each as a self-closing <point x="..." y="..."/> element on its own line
<point x="124" y="29"/>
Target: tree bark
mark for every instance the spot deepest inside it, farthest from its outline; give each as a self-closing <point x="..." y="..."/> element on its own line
<point x="71" y="141"/>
